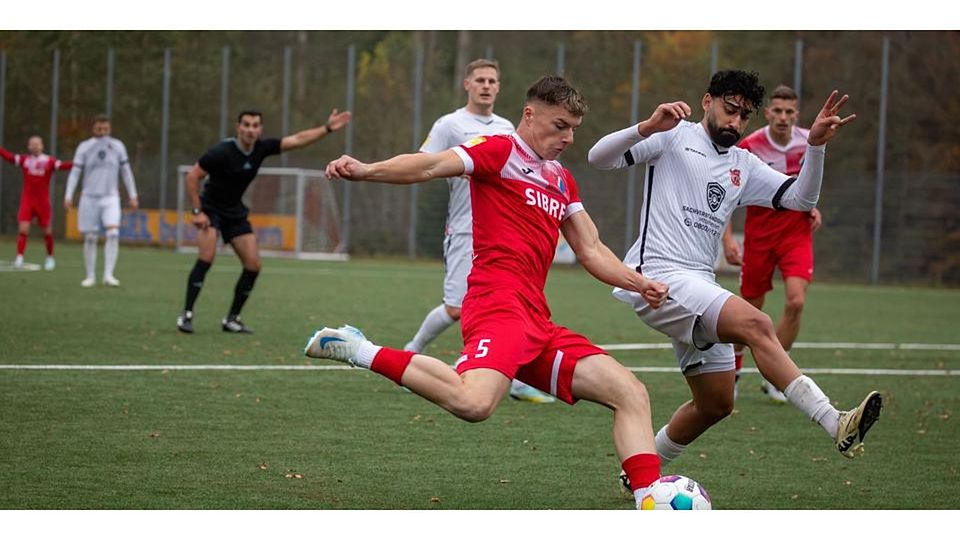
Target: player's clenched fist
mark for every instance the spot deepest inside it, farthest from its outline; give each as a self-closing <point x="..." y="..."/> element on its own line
<point x="347" y="168"/>
<point x="654" y="292"/>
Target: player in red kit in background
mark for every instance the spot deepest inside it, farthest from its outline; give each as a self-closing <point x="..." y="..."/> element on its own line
<point x="37" y="169"/>
<point x="776" y="238"/>
<point x="522" y="198"/>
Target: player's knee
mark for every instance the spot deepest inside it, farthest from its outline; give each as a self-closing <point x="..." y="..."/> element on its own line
<point x="474" y="409"/>
<point x="637" y="397"/>
<point x="252" y="265"/>
<point x="453" y="312"/>
<point x="758" y="326"/>
<point x="794" y="305"/>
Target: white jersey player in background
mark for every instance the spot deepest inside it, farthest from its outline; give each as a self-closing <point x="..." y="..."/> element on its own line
<point x="695" y="179"/>
<point x="100" y="159"/>
<point x="481" y="82"/>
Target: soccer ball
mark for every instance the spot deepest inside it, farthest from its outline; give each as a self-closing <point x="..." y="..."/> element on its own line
<point x="675" y="493"/>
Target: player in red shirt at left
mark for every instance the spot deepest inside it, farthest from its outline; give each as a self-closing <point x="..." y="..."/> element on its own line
<point x="522" y="198"/>
<point x="37" y="169"/>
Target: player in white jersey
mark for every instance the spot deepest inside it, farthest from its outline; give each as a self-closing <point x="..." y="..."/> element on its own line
<point x="100" y="159"/>
<point x="695" y="179"/>
<point x="481" y="82"/>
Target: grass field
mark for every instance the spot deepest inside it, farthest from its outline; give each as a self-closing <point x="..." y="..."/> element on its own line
<point x="348" y="439"/>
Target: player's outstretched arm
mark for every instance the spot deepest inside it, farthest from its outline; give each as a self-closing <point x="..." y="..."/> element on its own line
<point x="7" y="155"/>
<point x="828" y="121"/>
<point x="581" y="233"/>
<point x="402" y="169"/>
<point x="335" y="122"/>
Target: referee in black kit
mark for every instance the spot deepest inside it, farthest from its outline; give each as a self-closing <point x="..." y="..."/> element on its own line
<point x="231" y="165"/>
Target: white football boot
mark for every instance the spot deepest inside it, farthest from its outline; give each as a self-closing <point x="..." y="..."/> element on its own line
<point x="854" y="424"/>
<point x="89" y="282"/>
<point x="524" y="392"/>
<point x="49" y="264"/>
<point x="340" y="344"/>
<point x="111" y="281"/>
<point x="18" y="261"/>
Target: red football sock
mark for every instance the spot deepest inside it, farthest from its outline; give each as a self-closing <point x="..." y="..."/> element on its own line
<point x="21" y="243"/>
<point x="738" y="361"/>
<point x="48" y="239"/>
<point x="391" y="363"/>
<point x="642" y="470"/>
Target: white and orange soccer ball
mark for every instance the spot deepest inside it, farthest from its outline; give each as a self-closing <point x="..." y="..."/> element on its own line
<point x="676" y="493"/>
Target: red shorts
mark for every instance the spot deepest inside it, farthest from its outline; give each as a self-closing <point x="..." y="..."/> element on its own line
<point x="501" y="332"/>
<point x="34" y="206"/>
<point x="794" y="257"/>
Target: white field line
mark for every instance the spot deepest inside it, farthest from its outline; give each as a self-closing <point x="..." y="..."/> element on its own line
<point x="229" y="367"/>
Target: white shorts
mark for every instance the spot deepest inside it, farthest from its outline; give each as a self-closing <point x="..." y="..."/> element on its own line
<point x="689" y="317"/>
<point x="96" y="211"/>
<point x="457" y="260"/>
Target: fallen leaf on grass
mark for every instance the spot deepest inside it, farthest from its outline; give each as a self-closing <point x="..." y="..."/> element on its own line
<point x="795" y="496"/>
<point x="847" y="483"/>
<point x="154" y="435"/>
<point x="504" y="481"/>
<point x="435" y="499"/>
<point x="703" y="456"/>
<point x="816" y="459"/>
<point x="298" y="476"/>
<point x="263" y="466"/>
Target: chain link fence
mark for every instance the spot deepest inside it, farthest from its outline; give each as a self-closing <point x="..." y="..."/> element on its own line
<point x="172" y="95"/>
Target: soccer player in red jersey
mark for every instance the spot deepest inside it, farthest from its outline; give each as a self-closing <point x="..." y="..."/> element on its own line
<point x="37" y="169"/>
<point x="776" y="238"/>
<point x="522" y="198"/>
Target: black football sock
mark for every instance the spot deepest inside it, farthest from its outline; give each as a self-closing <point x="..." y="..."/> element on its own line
<point x="195" y="283"/>
<point x="242" y="291"/>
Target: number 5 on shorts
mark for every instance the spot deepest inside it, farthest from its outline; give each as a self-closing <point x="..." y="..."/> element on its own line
<point x="481" y="349"/>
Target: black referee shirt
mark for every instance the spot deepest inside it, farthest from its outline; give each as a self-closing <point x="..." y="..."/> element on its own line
<point x="231" y="171"/>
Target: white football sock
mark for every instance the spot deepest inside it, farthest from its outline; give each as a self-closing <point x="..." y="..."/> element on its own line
<point x="90" y="254"/>
<point x="110" y="249"/>
<point x="805" y="395"/>
<point x="667" y="449"/>
<point x="433" y="325"/>
<point x="366" y="353"/>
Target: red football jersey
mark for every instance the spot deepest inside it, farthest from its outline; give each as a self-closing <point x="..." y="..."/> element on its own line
<point x="37" y="171"/>
<point x="766" y="224"/>
<point x="519" y="201"/>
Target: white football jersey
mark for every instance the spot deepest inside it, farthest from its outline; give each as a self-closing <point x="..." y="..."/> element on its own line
<point x="452" y="130"/>
<point x="101" y="160"/>
<point x="691" y="188"/>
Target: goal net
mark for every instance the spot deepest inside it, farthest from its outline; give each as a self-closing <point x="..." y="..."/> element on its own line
<point x="293" y="213"/>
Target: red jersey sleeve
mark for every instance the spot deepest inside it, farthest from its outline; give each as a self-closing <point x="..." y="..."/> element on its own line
<point x="487" y="155"/>
<point x="6" y="155"/>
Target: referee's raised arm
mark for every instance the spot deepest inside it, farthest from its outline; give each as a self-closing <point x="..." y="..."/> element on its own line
<point x="335" y="122"/>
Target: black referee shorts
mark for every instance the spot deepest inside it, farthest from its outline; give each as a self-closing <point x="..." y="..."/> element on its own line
<point x="229" y="227"/>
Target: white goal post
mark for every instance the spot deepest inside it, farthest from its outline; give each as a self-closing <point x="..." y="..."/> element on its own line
<point x="293" y="212"/>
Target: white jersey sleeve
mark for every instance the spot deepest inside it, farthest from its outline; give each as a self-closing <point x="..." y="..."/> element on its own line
<point x="627" y="147"/>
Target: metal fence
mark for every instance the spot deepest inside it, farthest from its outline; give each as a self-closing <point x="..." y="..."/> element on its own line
<point x="891" y="198"/>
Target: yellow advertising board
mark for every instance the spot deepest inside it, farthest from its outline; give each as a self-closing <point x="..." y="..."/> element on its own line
<point x="154" y="227"/>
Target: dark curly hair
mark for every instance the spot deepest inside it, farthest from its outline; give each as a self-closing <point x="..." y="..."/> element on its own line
<point x="737" y="83"/>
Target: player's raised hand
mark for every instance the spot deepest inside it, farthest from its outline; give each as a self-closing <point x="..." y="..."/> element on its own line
<point x="828" y="121"/>
<point x="654" y="292"/>
<point x="337" y="120"/>
<point x="664" y="118"/>
<point x="347" y="168"/>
